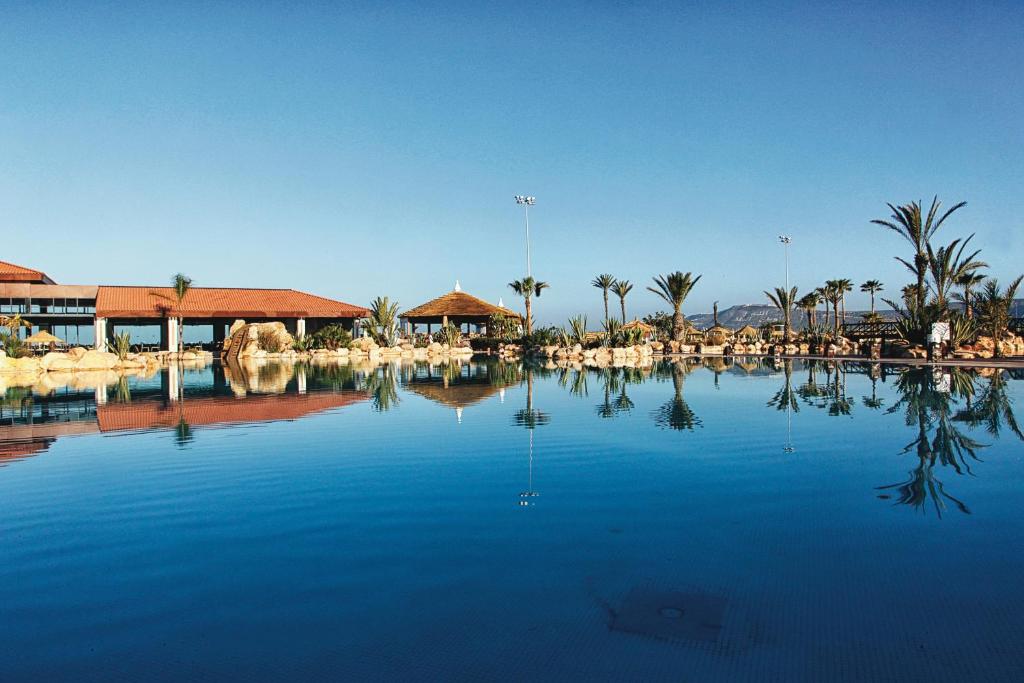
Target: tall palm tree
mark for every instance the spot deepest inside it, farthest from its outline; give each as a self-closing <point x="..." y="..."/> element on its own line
<point x="621" y="288"/>
<point x="674" y="288"/>
<point x="604" y="282"/>
<point x="872" y="287"/>
<point x="909" y="222"/>
<point x="528" y="288"/>
<point x="993" y="306"/>
<point x="833" y="294"/>
<point x="845" y="285"/>
<point x="822" y="293"/>
<point x="948" y="265"/>
<point x="181" y="283"/>
<point x="784" y="301"/>
<point x="809" y="304"/>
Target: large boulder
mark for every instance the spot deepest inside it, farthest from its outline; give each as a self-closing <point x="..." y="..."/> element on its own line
<point x="246" y="338"/>
<point x="364" y="344"/>
<point x="57" y="362"/>
<point x="96" y="360"/>
<point x="77" y="352"/>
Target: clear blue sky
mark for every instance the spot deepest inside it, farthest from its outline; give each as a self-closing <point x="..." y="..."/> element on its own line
<point x="375" y="149"/>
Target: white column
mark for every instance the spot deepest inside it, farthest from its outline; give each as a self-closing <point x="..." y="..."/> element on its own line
<point x="300" y="328"/>
<point x="99" y="327"/>
<point x="101" y="394"/>
<point x="172" y="334"/>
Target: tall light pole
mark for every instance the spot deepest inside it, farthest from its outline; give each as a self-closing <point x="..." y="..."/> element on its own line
<point x="786" y="239"/>
<point x="526" y="202"/>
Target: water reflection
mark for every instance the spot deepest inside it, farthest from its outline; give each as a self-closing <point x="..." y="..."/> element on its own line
<point x="676" y="413"/>
<point x="952" y="414"/>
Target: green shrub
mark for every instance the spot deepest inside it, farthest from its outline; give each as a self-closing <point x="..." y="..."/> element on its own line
<point x="331" y="337"/>
<point x="121" y="346"/>
<point x="448" y="334"/>
<point x="543" y="336"/>
<point x="13" y="346"/>
<point x="502" y="327"/>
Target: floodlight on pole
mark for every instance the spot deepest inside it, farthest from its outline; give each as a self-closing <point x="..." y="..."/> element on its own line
<point x="786" y="241"/>
<point x="526" y="202"/>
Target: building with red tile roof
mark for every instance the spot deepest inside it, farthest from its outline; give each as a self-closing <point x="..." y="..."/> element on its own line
<point x="33" y="295"/>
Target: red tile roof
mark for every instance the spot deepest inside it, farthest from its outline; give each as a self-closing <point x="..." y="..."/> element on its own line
<point x="217" y="302"/>
<point x="12" y="273"/>
<point x="207" y="411"/>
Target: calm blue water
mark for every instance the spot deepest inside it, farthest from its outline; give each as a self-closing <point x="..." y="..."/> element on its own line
<point x="486" y="522"/>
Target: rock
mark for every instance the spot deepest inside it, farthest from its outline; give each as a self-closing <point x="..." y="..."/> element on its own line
<point x="96" y="360"/>
<point x="235" y="326"/>
<point x="77" y="352"/>
<point x="52" y="357"/>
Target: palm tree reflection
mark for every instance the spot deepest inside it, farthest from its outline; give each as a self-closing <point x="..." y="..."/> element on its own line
<point x="676" y="413"/>
<point x="382" y="386"/>
<point x="928" y="400"/>
<point x="786" y="399"/>
<point x="993" y="408"/>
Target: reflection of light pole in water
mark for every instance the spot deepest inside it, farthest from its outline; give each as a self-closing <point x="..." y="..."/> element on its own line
<point x="788" y="448"/>
<point x="525" y="496"/>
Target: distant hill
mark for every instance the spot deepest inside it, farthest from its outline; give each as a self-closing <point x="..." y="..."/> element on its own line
<point x="736" y="317"/>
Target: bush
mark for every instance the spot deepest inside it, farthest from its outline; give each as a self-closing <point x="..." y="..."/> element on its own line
<point x="121" y="346"/>
<point x="502" y="327"/>
<point x="269" y="341"/>
<point x="13" y="346"/>
<point x="543" y="336"/>
<point x="448" y="334"/>
<point x="331" y="337"/>
<point x="485" y="343"/>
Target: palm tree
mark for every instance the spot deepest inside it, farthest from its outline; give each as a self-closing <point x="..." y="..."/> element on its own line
<point x="809" y="304"/>
<point x="181" y="284"/>
<point x="909" y="222"/>
<point x="845" y="285"/>
<point x="872" y="287"/>
<point x="604" y="282"/>
<point x="948" y="265"/>
<point x="822" y="293"/>
<point x="674" y="288"/>
<point x="784" y="301"/>
<point x="528" y="288"/>
<point x="832" y="293"/>
<point x="967" y="282"/>
<point x="383" y="321"/>
<point x="993" y="306"/>
<point x="621" y="288"/>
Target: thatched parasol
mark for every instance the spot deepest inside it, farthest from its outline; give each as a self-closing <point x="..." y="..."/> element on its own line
<point x="43" y="337"/>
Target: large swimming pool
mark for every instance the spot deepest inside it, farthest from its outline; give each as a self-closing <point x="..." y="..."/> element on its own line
<point x="737" y="521"/>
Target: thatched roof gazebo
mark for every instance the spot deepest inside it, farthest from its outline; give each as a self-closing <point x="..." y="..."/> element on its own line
<point x="717" y="335"/>
<point x="748" y="332"/>
<point x="455" y="307"/>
